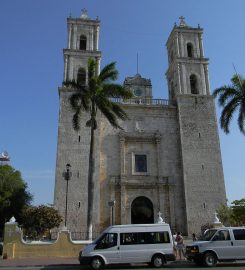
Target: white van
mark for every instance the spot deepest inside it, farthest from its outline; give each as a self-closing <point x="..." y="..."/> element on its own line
<point x="220" y="244"/>
<point x="134" y="243"/>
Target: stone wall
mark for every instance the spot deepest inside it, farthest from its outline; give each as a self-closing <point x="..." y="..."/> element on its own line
<point x="201" y="160"/>
<point x="16" y="247"/>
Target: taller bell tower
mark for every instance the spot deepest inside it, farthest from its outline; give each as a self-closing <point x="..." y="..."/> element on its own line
<point x="188" y="85"/>
<point x="73" y="146"/>
<point x="83" y="42"/>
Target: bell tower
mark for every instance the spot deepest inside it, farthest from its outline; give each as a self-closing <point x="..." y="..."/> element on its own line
<point x="188" y="68"/>
<point x="188" y="87"/>
<point x="73" y="146"/>
<point x="83" y="43"/>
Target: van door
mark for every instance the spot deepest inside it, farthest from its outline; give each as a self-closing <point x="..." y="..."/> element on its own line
<point x="221" y="243"/>
<point x="133" y="248"/>
<point x="107" y="246"/>
<point x="239" y="243"/>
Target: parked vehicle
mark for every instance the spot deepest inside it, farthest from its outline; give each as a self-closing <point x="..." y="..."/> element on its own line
<point x="133" y="243"/>
<point x="222" y="244"/>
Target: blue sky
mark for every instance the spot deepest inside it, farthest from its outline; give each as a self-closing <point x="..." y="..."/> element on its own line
<point x="33" y="35"/>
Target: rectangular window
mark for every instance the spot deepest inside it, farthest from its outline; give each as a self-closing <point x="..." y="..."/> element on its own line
<point x="239" y="234"/>
<point x="107" y="240"/>
<point x="137" y="238"/>
<point x="140" y="164"/>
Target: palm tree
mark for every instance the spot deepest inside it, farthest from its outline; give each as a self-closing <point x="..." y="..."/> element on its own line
<point x="90" y="98"/>
<point x="232" y="98"/>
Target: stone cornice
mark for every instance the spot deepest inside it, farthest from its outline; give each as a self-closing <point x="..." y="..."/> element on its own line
<point x="83" y="21"/>
<point x="72" y="52"/>
<point x="140" y="136"/>
<point x="140" y="181"/>
<point x="192" y="60"/>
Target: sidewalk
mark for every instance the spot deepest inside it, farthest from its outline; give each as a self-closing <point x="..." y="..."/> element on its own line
<point x="40" y="261"/>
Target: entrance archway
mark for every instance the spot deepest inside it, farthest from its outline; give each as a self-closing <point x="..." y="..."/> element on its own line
<point x="142" y="211"/>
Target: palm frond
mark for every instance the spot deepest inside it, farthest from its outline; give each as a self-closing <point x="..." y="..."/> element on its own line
<point x="76" y="120"/>
<point x="220" y="90"/>
<point x="237" y="81"/>
<point x="79" y="101"/>
<point x="107" y="109"/>
<point x="241" y="118"/>
<point x="109" y="72"/>
<point x="110" y="117"/>
<point x="119" y="112"/>
<point x="225" y="94"/>
<point x="91" y="68"/>
<point x="227" y="114"/>
<point x="116" y="90"/>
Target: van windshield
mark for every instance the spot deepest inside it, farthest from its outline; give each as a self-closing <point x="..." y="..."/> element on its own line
<point x="208" y="235"/>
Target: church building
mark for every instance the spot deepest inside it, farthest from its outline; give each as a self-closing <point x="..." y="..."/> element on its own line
<point x="167" y="157"/>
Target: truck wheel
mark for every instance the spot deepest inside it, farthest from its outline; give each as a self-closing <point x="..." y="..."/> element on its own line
<point x="96" y="263"/>
<point x="158" y="260"/>
<point x="209" y="259"/>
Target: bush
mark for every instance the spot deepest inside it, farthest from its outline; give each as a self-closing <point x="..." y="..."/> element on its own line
<point x="37" y="221"/>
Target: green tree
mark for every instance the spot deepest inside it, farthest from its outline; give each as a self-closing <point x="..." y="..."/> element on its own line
<point x="238" y="208"/>
<point x="14" y="195"/>
<point x="39" y="220"/>
<point x="93" y="97"/>
<point x="225" y="214"/>
<point x="232" y="98"/>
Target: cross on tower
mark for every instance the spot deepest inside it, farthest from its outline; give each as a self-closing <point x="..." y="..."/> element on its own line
<point x="84" y="13"/>
<point x="182" y="21"/>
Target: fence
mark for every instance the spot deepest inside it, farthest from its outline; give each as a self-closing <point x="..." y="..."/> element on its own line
<point x="75" y="236"/>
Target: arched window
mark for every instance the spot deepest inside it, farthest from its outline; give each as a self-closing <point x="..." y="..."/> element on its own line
<point x="193" y="83"/>
<point x="81" y="76"/>
<point x="83" y="43"/>
<point x="189" y="50"/>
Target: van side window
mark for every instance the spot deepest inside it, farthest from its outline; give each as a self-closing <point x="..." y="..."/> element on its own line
<point x="107" y="240"/>
<point x="239" y="234"/>
<point x="222" y="236"/>
<point x="144" y="238"/>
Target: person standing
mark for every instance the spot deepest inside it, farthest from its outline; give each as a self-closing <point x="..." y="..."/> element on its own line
<point x="194" y="238"/>
<point x="180" y="246"/>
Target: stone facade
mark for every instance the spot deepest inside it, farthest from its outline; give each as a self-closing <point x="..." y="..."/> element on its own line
<point x="167" y="158"/>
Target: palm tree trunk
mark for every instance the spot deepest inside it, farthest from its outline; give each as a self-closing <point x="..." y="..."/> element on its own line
<point x="91" y="180"/>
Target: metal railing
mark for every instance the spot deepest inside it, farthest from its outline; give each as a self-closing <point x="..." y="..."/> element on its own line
<point x="76" y="235"/>
<point x="143" y="101"/>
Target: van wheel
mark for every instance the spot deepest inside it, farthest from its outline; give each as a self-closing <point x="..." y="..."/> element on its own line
<point x="158" y="260"/>
<point x="209" y="259"/>
<point x="96" y="263"/>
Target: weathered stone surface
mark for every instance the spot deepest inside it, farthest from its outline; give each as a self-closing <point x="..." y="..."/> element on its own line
<point x="184" y="177"/>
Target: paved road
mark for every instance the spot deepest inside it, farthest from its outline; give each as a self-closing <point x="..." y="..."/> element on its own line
<point x="178" y="265"/>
